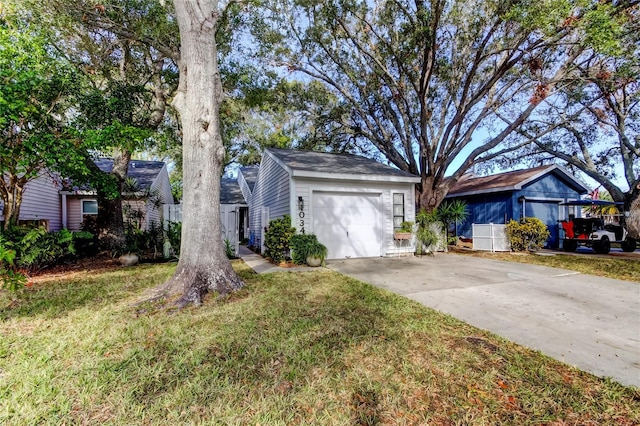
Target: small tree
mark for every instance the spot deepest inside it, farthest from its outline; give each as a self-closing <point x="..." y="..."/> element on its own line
<point x="452" y="212"/>
<point x="33" y="89"/>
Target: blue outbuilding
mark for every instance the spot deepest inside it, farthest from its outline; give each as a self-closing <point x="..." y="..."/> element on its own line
<point x="535" y="192"/>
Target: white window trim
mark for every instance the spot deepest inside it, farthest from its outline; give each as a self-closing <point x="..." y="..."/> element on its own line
<point x="393" y="205"/>
<point x="82" y="207"/>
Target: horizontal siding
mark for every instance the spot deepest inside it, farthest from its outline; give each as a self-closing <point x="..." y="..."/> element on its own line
<point x="271" y="190"/>
<point x="305" y="188"/>
<point x="42" y="201"/>
<point x="244" y="187"/>
<point x="163" y="187"/>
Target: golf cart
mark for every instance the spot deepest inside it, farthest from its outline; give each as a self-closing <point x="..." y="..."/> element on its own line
<point x="592" y="231"/>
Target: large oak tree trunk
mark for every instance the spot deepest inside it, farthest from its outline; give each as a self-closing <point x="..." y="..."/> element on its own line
<point x="203" y="265"/>
<point x="110" y="223"/>
<point x="431" y="193"/>
<point x="633" y="221"/>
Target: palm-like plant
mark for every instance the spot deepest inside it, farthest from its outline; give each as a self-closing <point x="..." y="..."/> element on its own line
<point x="451" y="212"/>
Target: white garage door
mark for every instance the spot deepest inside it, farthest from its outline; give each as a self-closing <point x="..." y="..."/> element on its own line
<point x="348" y="224"/>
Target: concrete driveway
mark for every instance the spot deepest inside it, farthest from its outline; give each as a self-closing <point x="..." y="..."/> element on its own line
<point x="582" y="320"/>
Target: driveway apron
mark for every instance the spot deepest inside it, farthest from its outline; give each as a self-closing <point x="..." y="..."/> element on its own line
<point x="590" y="322"/>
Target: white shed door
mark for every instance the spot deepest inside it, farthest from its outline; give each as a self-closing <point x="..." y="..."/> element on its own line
<point x="348" y="224"/>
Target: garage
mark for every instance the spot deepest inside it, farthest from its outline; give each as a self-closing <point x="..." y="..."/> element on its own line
<point x="349" y="224"/>
<point x="351" y="203"/>
<point x="549" y="213"/>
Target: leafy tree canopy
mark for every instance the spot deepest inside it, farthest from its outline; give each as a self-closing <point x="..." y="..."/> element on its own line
<point x="35" y="86"/>
<point x="438" y="86"/>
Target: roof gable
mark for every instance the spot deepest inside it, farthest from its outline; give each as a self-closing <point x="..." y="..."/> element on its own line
<point x="323" y="164"/>
<point x="250" y="175"/>
<point x="230" y="192"/>
<point x="144" y="172"/>
<point x="512" y="181"/>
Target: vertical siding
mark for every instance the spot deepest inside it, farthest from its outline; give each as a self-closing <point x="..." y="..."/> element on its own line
<point x="271" y="190"/>
<point x="41" y="200"/>
<point x="74" y="213"/>
<point x="493" y="208"/>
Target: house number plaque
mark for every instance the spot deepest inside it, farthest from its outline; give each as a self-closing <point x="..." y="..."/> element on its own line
<point x="301" y="217"/>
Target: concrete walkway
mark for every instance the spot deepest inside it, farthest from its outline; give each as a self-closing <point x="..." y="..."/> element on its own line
<point x="262" y="266"/>
<point x="590" y="322"/>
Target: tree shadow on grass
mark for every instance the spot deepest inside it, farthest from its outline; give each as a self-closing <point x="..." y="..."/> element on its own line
<point x="55" y="298"/>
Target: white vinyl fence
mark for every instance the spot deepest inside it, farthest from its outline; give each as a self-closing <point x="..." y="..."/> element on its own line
<point x="490" y="237"/>
<point x="172" y="213"/>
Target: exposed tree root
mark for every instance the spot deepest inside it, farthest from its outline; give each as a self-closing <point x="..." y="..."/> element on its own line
<point x="189" y="285"/>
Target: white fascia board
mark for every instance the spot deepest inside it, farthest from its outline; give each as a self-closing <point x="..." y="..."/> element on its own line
<point x="157" y="176"/>
<point x="543" y="199"/>
<point x="279" y="162"/>
<point x="79" y="192"/>
<point x="353" y="177"/>
<point x="561" y="170"/>
<point x="234" y="205"/>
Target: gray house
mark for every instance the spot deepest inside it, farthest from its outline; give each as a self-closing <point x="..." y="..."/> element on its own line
<point x="352" y="203"/>
<point x="54" y="205"/>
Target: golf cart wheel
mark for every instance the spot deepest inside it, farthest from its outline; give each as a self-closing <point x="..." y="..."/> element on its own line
<point x="628" y="245"/>
<point x="603" y="246"/>
<point x="570" y="245"/>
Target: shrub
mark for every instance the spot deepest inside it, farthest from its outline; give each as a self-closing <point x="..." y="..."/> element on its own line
<point x="276" y="239"/>
<point x="10" y="278"/>
<point x="297" y="244"/>
<point x="173" y="235"/>
<point x="143" y="242"/>
<point x="229" y="250"/>
<point x="304" y="246"/>
<point x="527" y="234"/>
<point x="33" y="249"/>
<point x="40" y="249"/>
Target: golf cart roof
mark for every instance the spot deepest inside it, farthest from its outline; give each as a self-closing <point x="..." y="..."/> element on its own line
<point x="590" y="203"/>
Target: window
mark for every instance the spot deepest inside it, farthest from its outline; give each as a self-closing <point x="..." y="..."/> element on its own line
<point x="89" y="207"/>
<point x="398" y="210"/>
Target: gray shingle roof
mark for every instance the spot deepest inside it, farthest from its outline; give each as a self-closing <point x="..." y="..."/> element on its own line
<point x="509" y="181"/>
<point x="230" y="192"/>
<point x="331" y="163"/>
<point x="144" y="172"/>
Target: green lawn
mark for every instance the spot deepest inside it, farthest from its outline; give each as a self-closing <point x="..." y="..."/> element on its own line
<point x="314" y="348"/>
<point x="610" y="266"/>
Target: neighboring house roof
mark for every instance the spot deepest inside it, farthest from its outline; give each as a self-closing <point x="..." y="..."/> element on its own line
<point x="230" y="192"/>
<point x="510" y="181"/>
<point x="144" y="172"/>
<point x="250" y="175"/>
<point x="323" y="164"/>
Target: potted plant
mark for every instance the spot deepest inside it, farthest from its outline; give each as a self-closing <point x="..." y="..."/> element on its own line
<point x="305" y="248"/>
<point x="316" y="253"/>
<point x="404" y="232"/>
